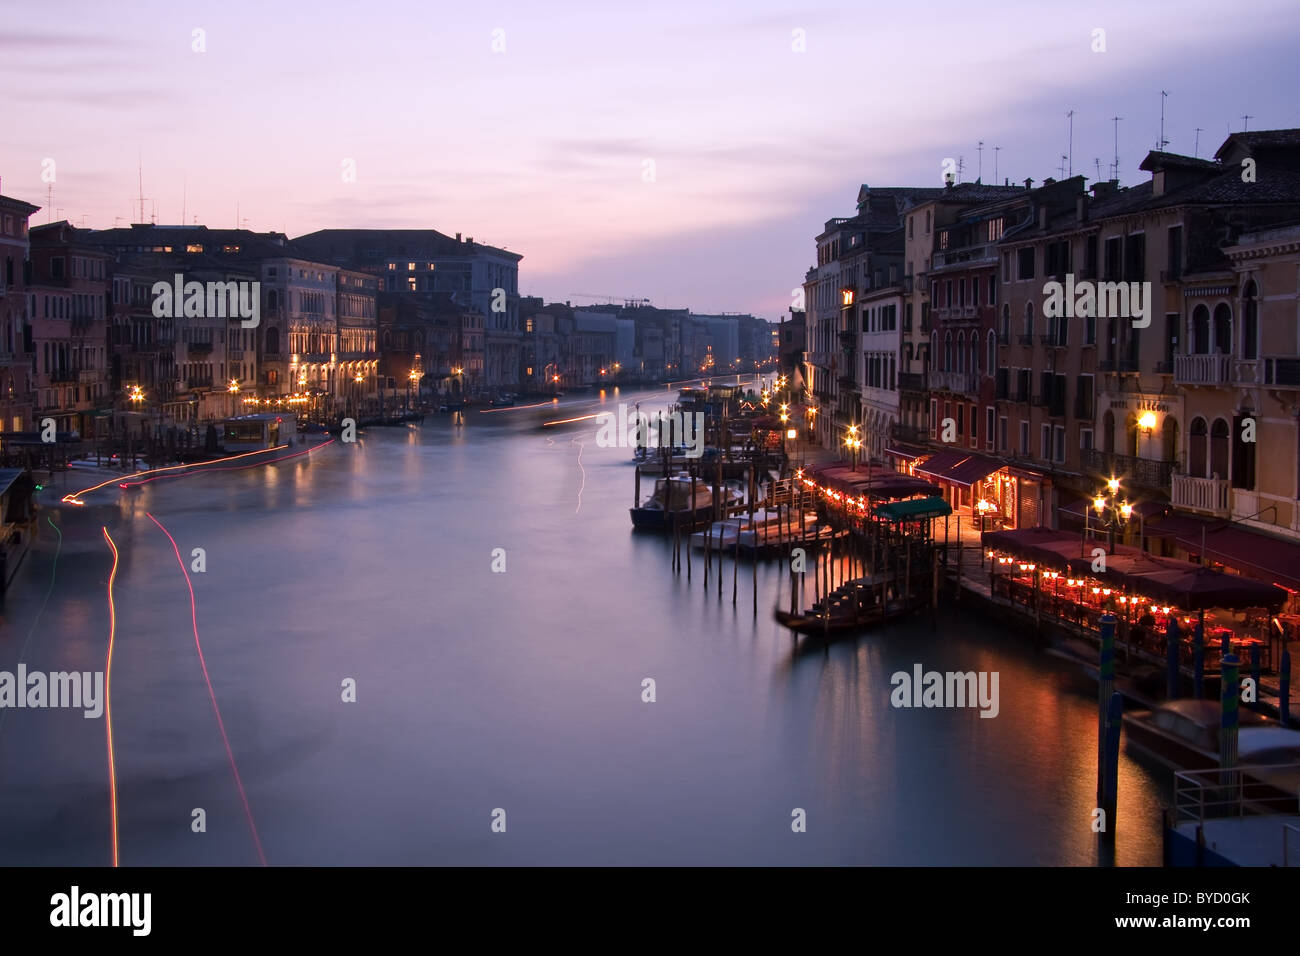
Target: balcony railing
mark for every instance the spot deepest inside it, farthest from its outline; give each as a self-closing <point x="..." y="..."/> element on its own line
<point x="1143" y="472"/>
<point x="1209" y="495"/>
<point x="963" y="382"/>
<point x="1282" y="372"/>
<point x="911" y="381"/>
<point x="1128" y="365"/>
<point x="1202" y="369"/>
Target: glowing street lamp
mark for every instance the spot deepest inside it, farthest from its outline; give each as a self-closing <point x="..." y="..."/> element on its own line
<point x="854" y="442"/>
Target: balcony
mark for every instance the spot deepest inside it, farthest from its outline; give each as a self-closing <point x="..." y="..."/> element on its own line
<point x="1128" y="365"/>
<point x="1202" y="369"/>
<point x="1051" y="340"/>
<point x="1143" y="472"/>
<point x="1209" y="495"/>
<point x="970" y="312"/>
<point x="1106" y="365"/>
<point x="1282" y="372"/>
<point x="61" y="375"/>
<point x="962" y="382"/>
<point x="911" y="381"/>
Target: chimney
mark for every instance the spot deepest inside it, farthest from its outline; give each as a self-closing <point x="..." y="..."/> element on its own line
<point x="1081" y="208"/>
<point x="469" y="240"/>
<point x="458" y="237"/>
<point x="1029" y="184"/>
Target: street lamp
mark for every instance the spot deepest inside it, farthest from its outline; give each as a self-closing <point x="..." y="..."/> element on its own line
<point x="233" y="389"/>
<point x="984" y="507"/>
<point x="853" y="442"/>
<point x="1111" y="512"/>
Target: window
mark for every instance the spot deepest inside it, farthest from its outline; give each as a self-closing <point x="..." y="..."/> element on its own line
<point x="1085" y="439"/>
<point x="927" y="222"/>
<point x="1222" y="329"/>
<point x="528" y="327"/>
<point x="1029" y="319"/>
<point x="1196" y="448"/>
<point x="1026" y="264"/>
<point x="911" y="227"/>
<point x="1114" y="249"/>
<point x="975" y="290"/>
<point x="1024" y="438"/>
<point x="992" y="357"/>
<point x="1002" y="433"/>
<point x="1006" y="267"/>
<point x="1174" y="252"/>
<point x="1045" y="442"/>
<point x="1243" y="456"/>
<point x="1135" y="258"/>
<point x="993" y="289"/>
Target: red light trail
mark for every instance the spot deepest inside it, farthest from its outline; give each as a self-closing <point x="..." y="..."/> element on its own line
<point x="194" y="621"/>
<point x="108" y="694"/>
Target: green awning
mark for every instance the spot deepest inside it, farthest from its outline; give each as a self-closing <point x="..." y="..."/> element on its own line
<point x="914" y="508"/>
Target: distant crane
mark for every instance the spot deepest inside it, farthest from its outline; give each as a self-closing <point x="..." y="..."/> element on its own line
<point x="630" y="301"/>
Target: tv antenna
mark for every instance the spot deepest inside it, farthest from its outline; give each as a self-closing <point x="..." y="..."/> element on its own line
<point x="996" y="150"/>
<point x="1196" y="147"/>
<point x="1245" y="122"/>
<point x="1115" y="168"/>
<point x="1161" y="143"/>
<point x="979" y="176"/>
<point x="1070" y="114"/>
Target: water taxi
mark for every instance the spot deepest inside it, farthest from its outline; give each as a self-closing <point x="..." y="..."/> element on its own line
<point x="678" y="501"/>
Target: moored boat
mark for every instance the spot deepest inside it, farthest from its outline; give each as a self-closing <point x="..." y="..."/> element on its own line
<point x="678" y="501"/>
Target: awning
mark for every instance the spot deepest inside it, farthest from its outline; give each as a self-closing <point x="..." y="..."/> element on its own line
<point x="907" y="454"/>
<point x="913" y="509"/>
<point x="1259" y="555"/>
<point x="958" y="467"/>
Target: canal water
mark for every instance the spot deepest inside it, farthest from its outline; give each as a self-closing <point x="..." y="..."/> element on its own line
<point x="480" y="691"/>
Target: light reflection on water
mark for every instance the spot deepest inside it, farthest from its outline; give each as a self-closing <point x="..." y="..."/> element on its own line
<point x="519" y="690"/>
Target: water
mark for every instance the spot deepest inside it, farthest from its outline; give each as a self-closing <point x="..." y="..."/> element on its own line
<point x="519" y="690"/>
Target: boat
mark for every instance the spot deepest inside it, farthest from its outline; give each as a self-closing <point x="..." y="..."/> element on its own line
<point x="722" y="534"/>
<point x="771" y="541"/>
<point x="672" y="505"/>
<point x="1184" y="734"/>
<point x="265" y="432"/>
<point x="851" y="608"/>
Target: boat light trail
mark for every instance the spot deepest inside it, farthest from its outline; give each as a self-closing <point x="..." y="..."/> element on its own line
<point x="75" y="497"/>
<point x="565" y="421"/>
<point x="513" y="408"/>
<point x="582" y="486"/>
<point x="230" y="754"/>
<point x="108" y="694"/>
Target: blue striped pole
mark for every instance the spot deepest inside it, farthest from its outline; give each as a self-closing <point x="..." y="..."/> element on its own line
<point x="1173" y="642"/>
<point x="1284" y="689"/>
<point x="1109" y="798"/>
<point x="1105" y="687"/>
<point x="1231" y="717"/>
<point x="1198" y="657"/>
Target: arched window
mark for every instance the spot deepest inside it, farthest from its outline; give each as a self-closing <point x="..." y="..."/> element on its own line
<point x="993" y="353"/>
<point x="974" y="363"/>
<point x="1250" y="322"/>
<point x="1222" y="329"/>
<point x="1108" y="432"/>
<point x="1131" y="435"/>
<point x="1219" y="449"/>
<point x="1200" y="331"/>
<point x="272" y="301"/>
<point x="961" y="352"/>
<point x="1029" y="319"/>
<point x="947" y="352"/>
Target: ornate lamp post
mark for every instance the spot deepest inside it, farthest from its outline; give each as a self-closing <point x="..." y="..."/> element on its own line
<point x="1111" y="512"/>
<point x="853" y="442"/>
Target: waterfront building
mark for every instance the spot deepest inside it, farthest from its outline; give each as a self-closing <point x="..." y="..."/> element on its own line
<point x="480" y="278"/>
<point x="67" y="297"/>
<point x="16" y="387"/>
<point x="358" y="338"/>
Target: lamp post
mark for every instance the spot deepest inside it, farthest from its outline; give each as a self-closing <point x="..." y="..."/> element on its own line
<point x="1111" y="511"/>
<point x="233" y="389"/>
<point x="853" y="442"/>
<point x="785" y="418"/>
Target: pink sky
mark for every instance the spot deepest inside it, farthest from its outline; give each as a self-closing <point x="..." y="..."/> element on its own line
<point x="542" y="147"/>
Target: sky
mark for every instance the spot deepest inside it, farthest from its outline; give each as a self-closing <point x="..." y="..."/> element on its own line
<point x="686" y="153"/>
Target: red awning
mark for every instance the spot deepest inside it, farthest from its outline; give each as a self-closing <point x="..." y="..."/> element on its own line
<point x="958" y="467"/>
<point x="1260" y="556"/>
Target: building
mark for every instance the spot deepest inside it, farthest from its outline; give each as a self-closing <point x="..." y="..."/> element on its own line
<point x="16" y="387"/>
